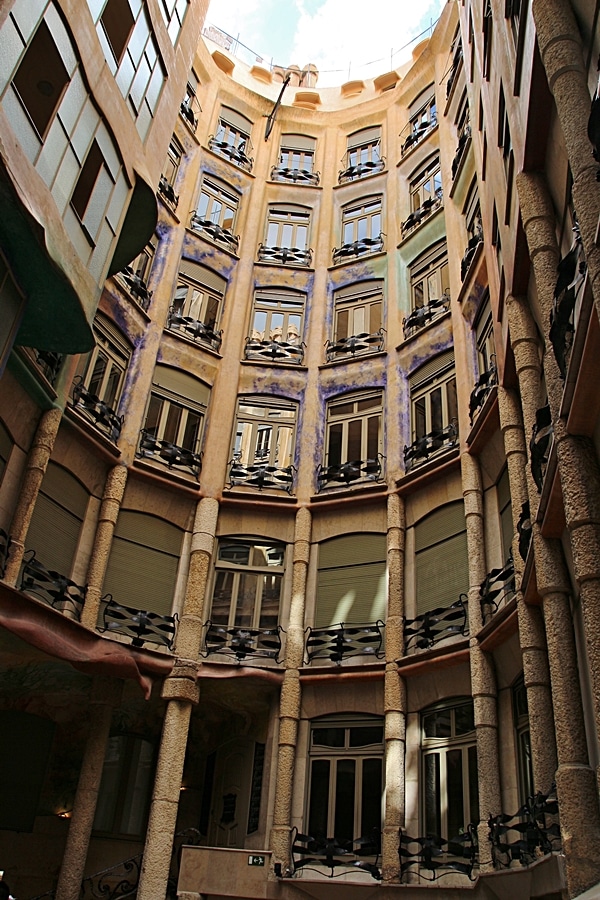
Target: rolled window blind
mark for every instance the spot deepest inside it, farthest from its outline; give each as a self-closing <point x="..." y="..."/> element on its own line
<point x="57" y="518"/>
<point x="441" y="558"/>
<point x="351" y="583"/>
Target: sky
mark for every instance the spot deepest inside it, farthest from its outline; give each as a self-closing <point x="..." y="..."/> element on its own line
<point x="340" y="37"/>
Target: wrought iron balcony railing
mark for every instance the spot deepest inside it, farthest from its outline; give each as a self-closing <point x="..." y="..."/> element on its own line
<point x="361" y="170"/>
<point x="539" y="446"/>
<point x="355" y="345"/>
<point x="456" y="61"/>
<point x="497" y="588"/>
<point x="261" y="475"/>
<point x="318" y="854"/>
<point x="571" y="273"/>
<point x="463" y="141"/>
<point x="423" y="315"/>
<point x="339" y="642"/>
<point x="274" y="351"/>
<point x="362" y="247"/>
<point x="97" y="411"/>
<point x="235" y="155"/>
<point x="532" y="832"/>
<point x="194" y="329"/>
<point x="350" y="472"/>
<point x="49" y="363"/>
<point x="420" y="215"/>
<point x="297" y="176"/>
<point x="430" y="445"/>
<point x="5" y="542"/>
<point x="141" y="626"/>
<point x="55" y="589"/>
<point x="186" y="110"/>
<point x="214" y="231"/>
<point x="486" y="382"/>
<point x="432" y="857"/>
<point x="136" y="286"/>
<point x="166" y="190"/>
<point x="243" y="643"/>
<point x="419" y="131"/>
<point x="435" y="625"/>
<point x="169" y="454"/>
<point x="524" y="530"/>
<point x="287" y="256"/>
<point x="475" y="240"/>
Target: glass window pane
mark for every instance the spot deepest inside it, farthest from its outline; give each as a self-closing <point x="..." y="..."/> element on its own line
<point x="342" y="325"/>
<point x="437" y="724"/>
<point x="153" y="415"/>
<point x="236" y="553"/>
<point x="363" y="230"/>
<point x="319" y="799"/>
<point x="366" y="735"/>
<point x="334" y="450"/>
<point x="473" y="787"/>
<point x="171" y="431"/>
<point x="420" y="418"/>
<point x="454" y="780"/>
<point x="222" y="594"/>
<point x="211" y="312"/>
<point x="109" y="787"/>
<point x="328" y="737"/>
<point x="373" y="437"/>
<point x="370" y="823"/>
<point x="433" y="819"/>
<point x="100" y="366"/>
<point x="112" y="386"/>
<point x="345" y="786"/>
<point x="374" y="318"/>
<point x="246" y="597"/>
<point x="269" y="610"/>
<point x="189" y="440"/>
<point x="464" y="719"/>
<point x="354" y="441"/>
<point x="435" y="400"/>
<point x="452" y="400"/>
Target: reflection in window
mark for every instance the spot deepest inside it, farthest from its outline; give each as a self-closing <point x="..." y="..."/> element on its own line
<point x="124" y="794"/>
<point x="354" y="429"/>
<point x="265" y="432"/>
<point x="248" y="583"/>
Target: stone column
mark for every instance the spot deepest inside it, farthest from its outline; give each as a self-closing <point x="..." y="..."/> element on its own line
<point x="532" y="637"/>
<point x="291" y="694"/>
<point x="105" y="695"/>
<point x="112" y="498"/>
<point x="394" y="690"/>
<point x="189" y="633"/>
<point x="483" y="676"/>
<point x="35" y="469"/>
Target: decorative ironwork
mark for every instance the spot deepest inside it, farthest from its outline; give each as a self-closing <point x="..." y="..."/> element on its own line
<point x="539" y="446"/>
<point x="261" y="475"/>
<point x="274" y="351"/>
<point x="571" y="273"/>
<point x="424" y="448"/>
<point x="167" y="191"/>
<point x="418" y="216"/>
<point x="187" y="112"/>
<point x="436" y="624"/>
<point x="214" y="231"/>
<point x="361" y="170"/>
<point x="137" y="287"/>
<point x="524" y="530"/>
<point x="329" y="853"/>
<point x="349" y="472"/>
<point x="235" y="155"/>
<point x="432" y="857"/>
<point x="49" y="363"/>
<point x="297" y="176"/>
<point x="169" y="454"/>
<point x="287" y="256"/>
<point x="475" y="240"/>
<point x="358" y="248"/>
<point x="463" y="141"/>
<point x="419" y="131"/>
<point x="140" y="625"/>
<point x="593" y="130"/>
<point x="535" y="831"/>
<point x="55" y="589"/>
<point x="198" y="331"/>
<point x="97" y="411"/>
<point x="5" y="542"/>
<point x="338" y="642"/>
<point x="497" y="588"/>
<point x="241" y="643"/>
<point x="355" y="344"/>
<point x="423" y="315"/>
<point x="486" y="382"/>
<point x="456" y="61"/>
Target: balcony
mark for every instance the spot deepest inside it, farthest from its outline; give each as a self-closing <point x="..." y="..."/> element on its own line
<point x="96" y="411"/>
<point x="350" y="472"/>
<point x="531" y="833"/>
<point x="339" y="642"/>
<point x="189" y="110"/>
<point x="358" y="248"/>
<point x="51" y="587"/>
<point x="539" y="446"/>
<point x="432" y="857"/>
<point x="194" y="329"/>
<point x="475" y="241"/>
<point x="497" y="589"/>
<point x="295" y="176"/>
<point x="319" y="854"/>
<point x="524" y="530"/>
<point x="214" y="231"/>
<point x="421" y="214"/>
<point x="242" y="644"/>
<point x="236" y="155"/>
<point x="418" y="132"/>
<point x="169" y="454"/>
<point x="139" y="625"/>
<point x="421" y="316"/>
<point x="136" y="286"/>
<point x="286" y="256"/>
<point x="430" y="445"/>
<point x="166" y="191"/>
<point x="274" y="351"/>
<point x="261" y="475"/>
<point x="571" y="273"/>
<point x="463" y="143"/>
<point x="361" y="170"/>
<point x="355" y="345"/>
<point x="436" y="625"/>
<point x="486" y="382"/>
<point x="454" y="68"/>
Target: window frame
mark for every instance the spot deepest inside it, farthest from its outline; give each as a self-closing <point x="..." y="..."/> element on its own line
<point x="54" y="67"/>
<point x="444" y="413"/>
<point x="362" y="298"/>
<point x="278" y="303"/>
<point x="253" y="448"/>
<point x="128" y="769"/>
<point x="117" y="353"/>
<point x="367" y="209"/>
<point x="344" y="419"/>
<point x="215" y="216"/>
<point x="258" y="618"/>
<point x="196" y="306"/>
<point x="172" y="418"/>
<point x="428" y="270"/>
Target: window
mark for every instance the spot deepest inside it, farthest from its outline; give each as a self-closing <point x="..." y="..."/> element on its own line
<point x="354" y="429"/>
<point x="484" y="336"/>
<point x="472" y="216"/>
<point x="441" y="558"/>
<point x="426" y="185"/>
<point x="102" y="372"/>
<point x="422" y="119"/>
<point x="287" y="236"/>
<point x="196" y="307"/>
<point x="248" y="583"/>
<point x="488" y="31"/>
<point x="173" y="12"/>
<point x="523" y="739"/>
<point x="346" y="780"/>
<point x="433" y="397"/>
<point x="117" y="21"/>
<point x="449" y="795"/>
<point x="190" y="107"/>
<point x="363" y="155"/>
<point x="41" y="79"/>
<point x="265" y="432"/>
<point x="216" y="212"/>
<point x="351" y="582"/>
<point x="232" y="138"/>
<point x="505" y="511"/>
<point x="277" y="319"/>
<point x="86" y="182"/>
<point x="429" y="278"/>
<point x="361" y="229"/>
<point x="137" y="274"/>
<point x="358" y="313"/>
<point x="124" y="795"/>
<point x="23" y="766"/>
<point x="166" y="184"/>
<point x="296" y="160"/>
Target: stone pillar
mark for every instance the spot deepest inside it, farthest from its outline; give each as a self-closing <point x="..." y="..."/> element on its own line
<point x="291" y="694"/>
<point x="532" y="637"/>
<point x="114" y="489"/>
<point x="394" y="691"/>
<point x="105" y="695"/>
<point x="483" y="676"/>
<point x="189" y="633"/>
<point x="35" y="469"/>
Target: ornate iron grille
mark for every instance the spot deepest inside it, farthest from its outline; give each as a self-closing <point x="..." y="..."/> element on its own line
<point x="361" y="170"/>
<point x="355" y="344"/>
<point x="497" y="588"/>
<point x="539" y="446"/>
<point x="198" y="331"/>
<point x="139" y="625"/>
<point x="418" y="216"/>
<point x="329" y="853"/>
<point x="417" y="134"/>
<point x="243" y="643"/>
<point x="423" y="315"/>
<point x="274" y="351"/>
<point x="435" y="625"/>
<point x="169" y="454"/>
<point x="261" y="475"/>
<point x="137" y="287"/>
<point x="349" y="472"/>
<point x="55" y="589"/>
<point x="167" y="191"/>
<point x="287" y="256"/>
<point x="338" y="642"/>
<point x="358" y="248"/>
<point x="430" y="445"/>
<point x="532" y="832"/>
<point x="97" y="411"/>
<point x="571" y="273"/>
<point x="297" y="176"/>
<point x="214" y="231"/>
<point x="235" y="155"/>
<point x="432" y="857"/>
<point x="486" y="382"/>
